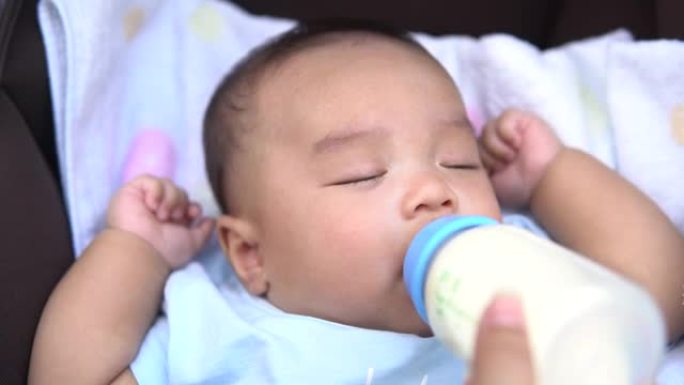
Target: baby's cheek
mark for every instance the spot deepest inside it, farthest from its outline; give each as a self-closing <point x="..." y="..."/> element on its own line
<point x="475" y="195"/>
<point x="345" y="237"/>
<point x="363" y="231"/>
<point x="352" y="239"/>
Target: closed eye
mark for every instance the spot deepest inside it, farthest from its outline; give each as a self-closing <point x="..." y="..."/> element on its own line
<point x="359" y="179"/>
<point x="462" y="166"/>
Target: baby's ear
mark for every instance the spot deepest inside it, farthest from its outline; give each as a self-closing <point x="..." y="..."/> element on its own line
<point x="240" y="245"/>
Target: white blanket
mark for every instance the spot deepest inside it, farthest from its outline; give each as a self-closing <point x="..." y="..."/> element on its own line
<point x="130" y="81"/>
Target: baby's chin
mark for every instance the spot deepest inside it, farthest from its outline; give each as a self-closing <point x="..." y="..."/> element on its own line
<point x="403" y="323"/>
<point x="422" y="330"/>
<point x="413" y="325"/>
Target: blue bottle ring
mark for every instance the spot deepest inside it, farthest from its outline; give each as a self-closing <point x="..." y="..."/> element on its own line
<point x="425" y="245"/>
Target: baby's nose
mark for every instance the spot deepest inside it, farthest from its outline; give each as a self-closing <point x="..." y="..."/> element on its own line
<point x="429" y="193"/>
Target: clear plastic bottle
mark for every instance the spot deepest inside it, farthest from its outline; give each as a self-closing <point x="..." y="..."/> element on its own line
<point x="586" y="325"/>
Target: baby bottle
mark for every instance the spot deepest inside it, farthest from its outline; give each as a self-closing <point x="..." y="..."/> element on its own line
<point x="586" y="325"/>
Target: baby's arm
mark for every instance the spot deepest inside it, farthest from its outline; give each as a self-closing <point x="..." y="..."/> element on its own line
<point x="587" y="207"/>
<point x="96" y="318"/>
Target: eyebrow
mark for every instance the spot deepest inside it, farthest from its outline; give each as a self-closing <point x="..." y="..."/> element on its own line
<point x="341" y="138"/>
<point x="462" y="122"/>
<point x="337" y="139"/>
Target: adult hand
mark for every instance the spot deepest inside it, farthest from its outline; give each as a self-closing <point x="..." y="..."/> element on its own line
<point x="502" y="355"/>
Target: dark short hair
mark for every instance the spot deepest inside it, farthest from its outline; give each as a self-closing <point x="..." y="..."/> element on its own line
<point x="230" y="101"/>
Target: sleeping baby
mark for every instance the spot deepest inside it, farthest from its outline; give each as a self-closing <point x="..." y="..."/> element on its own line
<point x="327" y="149"/>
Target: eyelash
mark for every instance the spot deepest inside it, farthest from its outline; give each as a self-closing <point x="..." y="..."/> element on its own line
<point x="370" y="178"/>
<point x="462" y="166"/>
<point x="359" y="180"/>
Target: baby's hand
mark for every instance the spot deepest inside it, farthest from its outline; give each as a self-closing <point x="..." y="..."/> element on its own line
<point x="159" y="212"/>
<point x="517" y="148"/>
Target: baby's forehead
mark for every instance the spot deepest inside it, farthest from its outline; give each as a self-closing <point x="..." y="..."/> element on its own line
<point x="308" y="66"/>
<point x="342" y="75"/>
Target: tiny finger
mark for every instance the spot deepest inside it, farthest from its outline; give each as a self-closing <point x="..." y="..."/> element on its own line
<point x="152" y="189"/>
<point x="173" y="194"/>
<point x="497" y="147"/>
<point x="510" y="127"/>
<point x="194" y="210"/>
<point x="490" y="163"/>
<point x="202" y="230"/>
<point x="169" y="200"/>
<point x="178" y="214"/>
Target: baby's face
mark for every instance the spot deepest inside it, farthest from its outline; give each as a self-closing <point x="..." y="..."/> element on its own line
<point x="356" y="147"/>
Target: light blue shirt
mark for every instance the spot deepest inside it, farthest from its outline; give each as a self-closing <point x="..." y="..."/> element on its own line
<point x="214" y="332"/>
<point x="223" y="335"/>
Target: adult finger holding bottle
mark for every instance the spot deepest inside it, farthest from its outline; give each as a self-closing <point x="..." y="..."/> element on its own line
<point x="502" y="354"/>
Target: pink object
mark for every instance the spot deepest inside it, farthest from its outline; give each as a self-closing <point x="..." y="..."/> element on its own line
<point x="476" y="119"/>
<point x="151" y="152"/>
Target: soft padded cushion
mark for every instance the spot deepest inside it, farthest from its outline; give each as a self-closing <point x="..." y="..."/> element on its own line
<point x="542" y="22"/>
<point x="526" y="19"/>
<point x="24" y="77"/>
<point x="34" y="232"/>
<point x="35" y="240"/>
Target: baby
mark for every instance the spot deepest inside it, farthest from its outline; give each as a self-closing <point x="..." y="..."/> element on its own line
<point x="327" y="150"/>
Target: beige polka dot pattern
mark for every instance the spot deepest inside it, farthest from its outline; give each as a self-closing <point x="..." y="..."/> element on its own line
<point x="132" y="22"/>
<point x="677" y="122"/>
<point x="206" y="23"/>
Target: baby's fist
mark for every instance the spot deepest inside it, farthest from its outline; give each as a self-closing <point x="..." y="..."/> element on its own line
<point x="160" y="212"/>
<point x="517" y="148"/>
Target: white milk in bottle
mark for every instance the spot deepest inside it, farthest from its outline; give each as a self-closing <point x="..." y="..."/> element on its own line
<point x="586" y="325"/>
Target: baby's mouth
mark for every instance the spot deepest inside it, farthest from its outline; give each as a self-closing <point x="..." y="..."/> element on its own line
<point x="400" y="273"/>
<point x="404" y="249"/>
